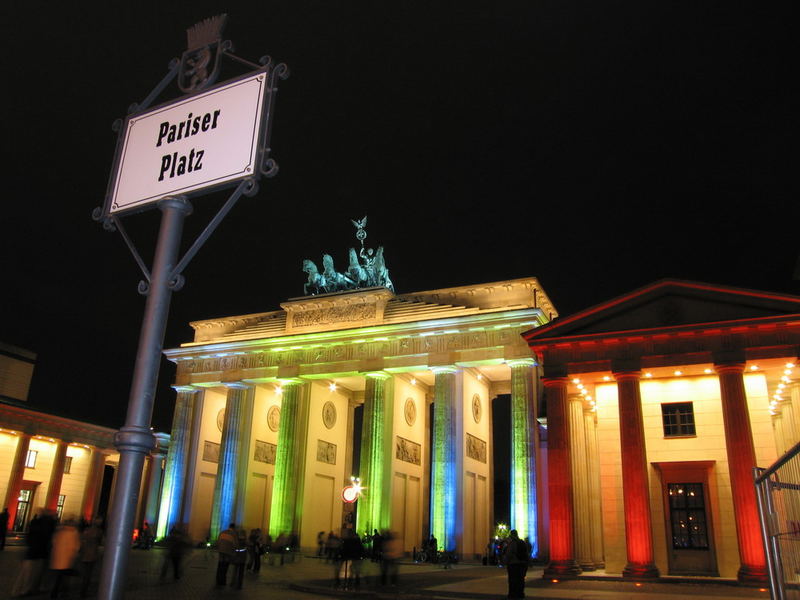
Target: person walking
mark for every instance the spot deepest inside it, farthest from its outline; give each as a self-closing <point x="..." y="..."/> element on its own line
<point x="516" y="560"/>
<point x="177" y="544"/>
<point x="89" y="553"/>
<point x="66" y="543"/>
<point x="254" y="547"/>
<point x="391" y="552"/>
<point x="227" y="543"/>
<point x="3" y="527"/>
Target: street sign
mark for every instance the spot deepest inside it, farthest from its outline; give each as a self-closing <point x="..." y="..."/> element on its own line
<point x="197" y="143"/>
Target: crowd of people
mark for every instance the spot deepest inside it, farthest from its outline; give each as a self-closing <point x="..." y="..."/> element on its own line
<point x="67" y="548"/>
<point x="70" y="549"/>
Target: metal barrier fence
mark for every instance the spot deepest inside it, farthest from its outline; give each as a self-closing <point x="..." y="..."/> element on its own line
<point x="778" y="492"/>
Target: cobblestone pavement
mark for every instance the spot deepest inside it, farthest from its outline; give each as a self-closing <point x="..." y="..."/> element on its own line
<point x="310" y="578"/>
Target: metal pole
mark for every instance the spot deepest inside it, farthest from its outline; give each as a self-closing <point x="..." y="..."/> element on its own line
<point x="135" y="440"/>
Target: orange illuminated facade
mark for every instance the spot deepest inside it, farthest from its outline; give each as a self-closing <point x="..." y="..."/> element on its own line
<point x="659" y="404"/>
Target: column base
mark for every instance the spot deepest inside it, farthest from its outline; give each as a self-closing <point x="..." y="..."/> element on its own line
<point x="587" y="566"/>
<point x="640" y="571"/>
<point x="750" y="574"/>
<point x="561" y="569"/>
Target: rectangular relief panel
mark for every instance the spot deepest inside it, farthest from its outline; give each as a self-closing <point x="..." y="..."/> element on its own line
<point x="265" y="452"/>
<point x="408" y="451"/>
<point x="476" y="448"/>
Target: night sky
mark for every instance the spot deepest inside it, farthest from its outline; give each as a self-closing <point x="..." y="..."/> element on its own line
<point x="598" y="146"/>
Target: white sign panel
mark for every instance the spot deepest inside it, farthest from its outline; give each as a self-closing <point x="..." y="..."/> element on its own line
<point x="199" y="142"/>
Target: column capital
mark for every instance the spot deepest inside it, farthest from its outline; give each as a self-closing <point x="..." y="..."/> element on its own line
<point x="522" y="362"/>
<point x="237" y="385"/>
<point x="555" y="381"/>
<point x="444" y="369"/>
<point x="285" y="382"/>
<point x="378" y="374"/>
<point x="627" y="375"/>
<point x="186" y="389"/>
<point x="729" y="367"/>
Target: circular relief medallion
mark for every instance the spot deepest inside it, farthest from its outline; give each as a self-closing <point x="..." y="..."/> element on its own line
<point x="220" y="418"/>
<point x="477" y="409"/>
<point x="329" y="414"/>
<point x="273" y="418"/>
<point x="410" y="411"/>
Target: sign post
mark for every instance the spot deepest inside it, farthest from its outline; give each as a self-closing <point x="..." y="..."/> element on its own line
<point x="185" y="148"/>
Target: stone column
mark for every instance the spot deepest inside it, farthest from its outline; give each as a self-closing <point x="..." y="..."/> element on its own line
<point x="595" y="496"/>
<point x="580" y="484"/>
<point x="374" y="506"/>
<point x="524" y="442"/>
<point x="778" y="432"/>
<point x="16" y="477"/>
<point x="559" y="487"/>
<point x="56" y="476"/>
<point x="175" y="470"/>
<point x="444" y="494"/>
<point x="94" y="482"/>
<point x="154" y="484"/>
<point x="289" y="460"/>
<point x="223" y="509"/>
<point x="635" y="481"/>
<point x="790" y="432"/>
<point x="793" y="399"/>
<point x="741" y="460"/>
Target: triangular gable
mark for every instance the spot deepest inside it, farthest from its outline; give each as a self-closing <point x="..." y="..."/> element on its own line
<point x="670" y="303"/>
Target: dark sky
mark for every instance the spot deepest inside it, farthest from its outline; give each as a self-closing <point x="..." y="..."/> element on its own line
<point x="598" y="146"/>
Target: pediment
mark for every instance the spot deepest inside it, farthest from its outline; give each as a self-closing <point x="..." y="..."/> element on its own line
<point x="668" y="304"/>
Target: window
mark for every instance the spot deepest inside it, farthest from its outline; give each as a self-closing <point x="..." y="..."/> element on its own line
<point x="688" y="516"/>
<point x="30" y="461"/>
<point x="67" y="465"/>
<point x="678" y="419"/>
<point x="60" y="506"/>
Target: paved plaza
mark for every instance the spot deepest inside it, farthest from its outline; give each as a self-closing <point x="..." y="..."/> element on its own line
<point x="310" y="578"/>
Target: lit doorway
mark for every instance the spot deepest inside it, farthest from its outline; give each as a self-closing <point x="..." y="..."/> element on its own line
<point x="687" y="516"/>
<point x="25" y="504"/>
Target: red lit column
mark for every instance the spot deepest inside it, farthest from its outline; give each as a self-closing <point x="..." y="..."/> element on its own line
<point x="56" y="476"/>
<point x="94" y="481"/>
<point x="741" y="460"/>
<point x="17" y="475"/>
<point x="635" y="483"/>
<point x="559" y="468"/>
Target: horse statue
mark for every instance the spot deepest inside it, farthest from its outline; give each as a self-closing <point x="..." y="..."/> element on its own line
<point x="334" y="281"/>
<point x="355" y="272"/>
<point x="316" y="281"/>
<point x="381" y="272"/>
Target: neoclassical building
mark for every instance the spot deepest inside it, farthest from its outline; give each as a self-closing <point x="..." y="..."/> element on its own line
<point x="59" y="464"/>
<point x="276" y="411"/>
<point x="48" y="462"/>
<point x="659" y="404"/>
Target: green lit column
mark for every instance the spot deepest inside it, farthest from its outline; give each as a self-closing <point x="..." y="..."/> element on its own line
<point x="443" y="458"/>
<point x="169" y="513"/>
<point x="524" y="438"/>
<point x="230" y="452"/>
<point x="289" y="459"/>
<point x="374" y="507"/>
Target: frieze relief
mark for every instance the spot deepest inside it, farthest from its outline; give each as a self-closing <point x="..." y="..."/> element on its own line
<point x="335" y="314"/>
<point x="349" y="351"/>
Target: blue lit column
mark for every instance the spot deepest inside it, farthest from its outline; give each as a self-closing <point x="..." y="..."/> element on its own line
<point x="154" y="480"/>
<point x="524" y="439"/>
<point x="176" y="467"/>
<point x="374" y="468"/>
<point x="230" y="451"/>
<point x="444" y="494"/>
